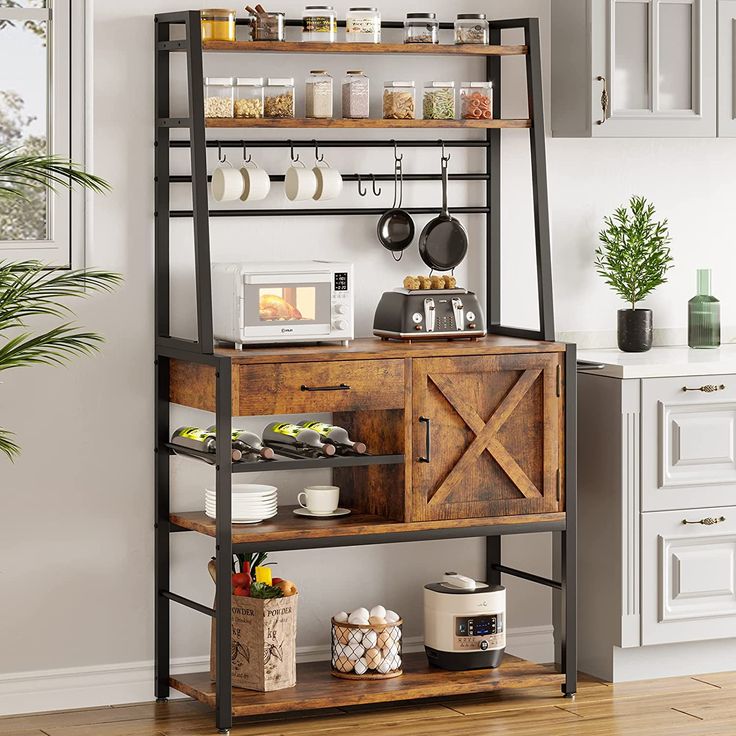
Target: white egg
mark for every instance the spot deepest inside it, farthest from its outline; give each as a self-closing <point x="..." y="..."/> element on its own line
<point x="390" y="652"/>
<point x="360" y="667"/>
<point x="357" y="651"/>
<point x="384" y="666"/>
<point x="391" y="617"/>
<point x="396" y="633"/>
<point x="361" y="612"/>
<point x="394" y="663"/>
<point x="355" y="637"/>
<point x="378" y="612"/>
<point x="356" y="617"/>
<point x="341" y="617"/>
<point x="369" y="639"/>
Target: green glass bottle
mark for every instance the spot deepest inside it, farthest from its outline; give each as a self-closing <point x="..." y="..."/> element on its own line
<point x="704" y="315"/>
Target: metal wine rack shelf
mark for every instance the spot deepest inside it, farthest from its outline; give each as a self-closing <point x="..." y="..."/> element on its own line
<point x="315" y="687"/>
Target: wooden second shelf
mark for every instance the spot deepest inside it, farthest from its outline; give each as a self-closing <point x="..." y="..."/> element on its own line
<point x="316" y="688"/>
<point x="366" y="123"/>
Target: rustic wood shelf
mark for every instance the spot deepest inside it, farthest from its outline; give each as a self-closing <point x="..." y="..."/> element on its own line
<point x="316" y="688"/>
<point x="367" y="123"/>
<point x="300" y="47"/>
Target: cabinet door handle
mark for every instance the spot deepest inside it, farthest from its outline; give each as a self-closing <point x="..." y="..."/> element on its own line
<point x="427" y="441"/>
<point x="708" y="521"/>
<point x="604" y="100"/>
<point x="341" y="387"/>
<point x="709" y="388"/>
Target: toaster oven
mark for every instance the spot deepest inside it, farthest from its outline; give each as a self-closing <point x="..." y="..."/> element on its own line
<point x="256" y="303"/>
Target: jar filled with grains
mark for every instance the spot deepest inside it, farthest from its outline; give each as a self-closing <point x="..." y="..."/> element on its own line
<point x="319" y="23"/>
<point x="249" y="97"/>
<point x="439" y="101"/>
<point x="218" y="97"/>
<point x="471" y="28"/>
<point x="421" y="28"/>
<point x="363" y="25"/>
<point x="355" y="95"/>
<point x="398" y="101"/>
<point x="476" y="100"/>
<point x="218" y="24"/>
<point x="279" y="98"/>
<point x="318" y="100"/>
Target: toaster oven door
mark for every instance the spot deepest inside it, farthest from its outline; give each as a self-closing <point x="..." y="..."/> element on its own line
<point x="286" y="305"/>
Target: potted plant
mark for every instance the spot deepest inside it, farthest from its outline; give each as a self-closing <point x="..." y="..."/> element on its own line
<point x="633" y="259"/>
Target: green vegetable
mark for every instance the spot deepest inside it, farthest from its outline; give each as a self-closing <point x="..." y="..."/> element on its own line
<point x="263" y="590"/>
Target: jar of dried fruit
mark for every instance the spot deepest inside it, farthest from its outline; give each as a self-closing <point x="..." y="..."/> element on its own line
<point x="476" y="100"/>
<point x="249" y="97"/>
<point x="398" y="101"/>
<point x="279" y="98"/>
<point x="355" y="95"/>
<point x="439" y="101"/>
<point x="218" y="97"/>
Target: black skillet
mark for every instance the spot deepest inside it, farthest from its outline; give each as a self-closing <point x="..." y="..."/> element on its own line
<point x="396" y="229"/>
<point x="444" y="240"/>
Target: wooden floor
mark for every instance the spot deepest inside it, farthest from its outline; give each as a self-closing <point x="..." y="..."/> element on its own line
<point x="682" y="706"/>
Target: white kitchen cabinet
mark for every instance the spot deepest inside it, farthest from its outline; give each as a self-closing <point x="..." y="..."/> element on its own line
<point x="726" y="68"/>
<point x="634" y="68"/>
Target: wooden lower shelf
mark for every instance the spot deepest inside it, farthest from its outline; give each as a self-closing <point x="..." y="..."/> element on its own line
<point x="316" y="688"/>
<point x="363" y="123"/>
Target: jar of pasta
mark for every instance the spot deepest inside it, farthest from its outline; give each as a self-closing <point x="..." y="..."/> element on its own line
<point x="249" y="97"/>
<point x="319" y="23"/>
<point x="471" y="28"/>
<point x="438" y="102"/>
<point x="398" y="101"/>
<point x="218" y="24"/>
<point x="476" y="100"/>
<point x="279" y="98"/>
<point x="218" y="97"/>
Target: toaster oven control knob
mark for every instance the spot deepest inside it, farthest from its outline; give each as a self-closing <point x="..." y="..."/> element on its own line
<point x="341" y="309"/>
<point x="470" y="316"/>
<point x="340" y="324"/>
<point x="416" y="318"/>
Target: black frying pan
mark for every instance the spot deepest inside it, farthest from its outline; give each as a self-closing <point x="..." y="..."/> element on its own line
<point x="444" y="240"/>
<point x="396" y="228"/>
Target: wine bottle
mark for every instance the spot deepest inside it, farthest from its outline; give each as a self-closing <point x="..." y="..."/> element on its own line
<point x="335" y="435"/>
<point x="194" y="438"/>
<point x="285" y="434"/>
<point x="248" y="443"/>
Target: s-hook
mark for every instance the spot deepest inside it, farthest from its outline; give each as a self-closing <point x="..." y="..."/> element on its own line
<point x="361" y="190"/>
<point x="247" y="158"/>
<point x="396" y="152"/>
<point x="445" y="156"/>
<point x="375" y="193"/>
<point x="317" y="156"/>
<point x="222" y="158"/>
<point x="294" y="158"/>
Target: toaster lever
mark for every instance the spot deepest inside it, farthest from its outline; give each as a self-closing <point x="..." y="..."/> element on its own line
<point x="429" y="314"/>
<point x="457" y="309"/>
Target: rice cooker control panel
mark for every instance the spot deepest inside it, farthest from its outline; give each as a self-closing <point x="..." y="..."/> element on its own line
<point x="479" y="632"/>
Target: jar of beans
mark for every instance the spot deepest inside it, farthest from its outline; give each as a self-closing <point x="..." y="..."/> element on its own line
<point x="439" y="101"/>
<point x="421" y="28"/>
<point x="279" y="98"/>
<point x="218" y="97"/>
<point x="476" y="100"/>
<point x="355" y="95"/>
<point x="318" y="100"/>
<point x="398" y="101"/>
<point x="471" y="28"/>
<point x="249" y="97"/>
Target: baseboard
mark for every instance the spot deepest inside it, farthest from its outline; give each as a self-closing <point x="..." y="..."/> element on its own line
<point x="132" y="682"/>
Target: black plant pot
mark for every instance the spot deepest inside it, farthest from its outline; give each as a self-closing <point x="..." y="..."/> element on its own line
<point x="634" y="330"/>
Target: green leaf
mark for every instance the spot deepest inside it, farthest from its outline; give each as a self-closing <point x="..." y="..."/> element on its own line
<point x="263" y="590"/>
<point x="7" y="445"/>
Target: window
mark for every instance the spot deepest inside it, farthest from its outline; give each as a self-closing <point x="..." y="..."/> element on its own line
<point x="42" y="109"/>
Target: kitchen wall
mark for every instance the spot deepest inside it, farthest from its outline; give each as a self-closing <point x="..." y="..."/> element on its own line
<point x="76" y="528"/>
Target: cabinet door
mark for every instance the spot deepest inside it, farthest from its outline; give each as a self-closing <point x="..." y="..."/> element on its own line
<point x="688" y="575"/>
<point x="493" y="424"/>
<point x="726" y="65"/>
<point x="657" y="63"/>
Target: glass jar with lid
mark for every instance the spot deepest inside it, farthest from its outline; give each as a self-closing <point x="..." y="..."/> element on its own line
<point x="278" y="99"/>
<point x="267" y="27"/>
<point x="319" y="23"/>
<point x="363" y="25"/>
<point x="476" y="100"/>
<point x="398" y="101"/>
<point x="421" y="28"/>
<point x="355" y="95"/>
<point x="438" y="102"/>
<point x="218" y="97"/>
<point x="218" y="24"/>
<point x="471" y="28"/>
<point x="318" y="100"/>
<point x="248" y="97"/>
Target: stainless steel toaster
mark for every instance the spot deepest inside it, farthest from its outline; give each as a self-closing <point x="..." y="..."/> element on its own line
<point x="407" y="314"/>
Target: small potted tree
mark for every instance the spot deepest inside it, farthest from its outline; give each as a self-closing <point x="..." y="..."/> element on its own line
<point x="633" y="258"/>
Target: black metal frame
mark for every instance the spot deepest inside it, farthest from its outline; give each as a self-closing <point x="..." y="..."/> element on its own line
<point x="201" y="350"/>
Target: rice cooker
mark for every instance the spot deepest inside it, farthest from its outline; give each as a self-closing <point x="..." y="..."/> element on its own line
<point x="464" y="623"/>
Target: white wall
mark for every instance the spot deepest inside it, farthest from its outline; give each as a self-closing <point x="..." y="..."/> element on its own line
<point x="76" y="527"/>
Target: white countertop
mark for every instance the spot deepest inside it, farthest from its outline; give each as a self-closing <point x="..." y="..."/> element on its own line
<point x="660" y="362"/>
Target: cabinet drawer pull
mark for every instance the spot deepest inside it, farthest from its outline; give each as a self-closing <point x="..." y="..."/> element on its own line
<point x="709" y="388"/>
<point x="427" y="442"/>
<point x="341" y="387"/>
<point x="604" y="100"/>
<point x="708" y="521"/>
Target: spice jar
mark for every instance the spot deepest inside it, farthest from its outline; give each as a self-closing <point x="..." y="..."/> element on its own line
<point x="218" y="24"/>
<point x="319" y="94"/>
<point x="471" y="28"/>
<point x="421" y="28"/>
<point x="249" y="97"/>
<point x="218" y="97"/>
<point x="398" y="101"/>
<point x="279" y="98"/>
<point x="476" y="100"/>
<point x="267" y="27"/>
<point x="363" y="25"/>
<point x="355" y="95"/>
<point x="319" y="23"/>
<point x="439" y="101"/>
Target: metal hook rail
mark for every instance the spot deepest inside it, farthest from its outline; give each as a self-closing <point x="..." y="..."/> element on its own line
<point x="347" y="143"/>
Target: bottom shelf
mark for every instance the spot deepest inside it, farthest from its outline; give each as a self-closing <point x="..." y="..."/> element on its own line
<point x="316" y="688"/>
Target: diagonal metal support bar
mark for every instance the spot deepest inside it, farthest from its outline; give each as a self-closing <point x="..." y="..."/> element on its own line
<point x="531" y="577"/>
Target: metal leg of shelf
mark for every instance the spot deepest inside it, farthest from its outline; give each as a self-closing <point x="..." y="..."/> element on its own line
<point x="223" y="485"/>
<point x="493" y="557"/>
<point x="493" y="192"/>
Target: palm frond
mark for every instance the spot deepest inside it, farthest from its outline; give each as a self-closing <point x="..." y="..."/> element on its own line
<point x="7" y="446"/>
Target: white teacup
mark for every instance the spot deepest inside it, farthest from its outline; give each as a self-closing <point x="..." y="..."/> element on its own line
<point x="227" y="184"/>
<point x="256" y="183"/>
<point x="329" y="182"/>
<point x="319" y="500"/>
<point x="300" y="182"/>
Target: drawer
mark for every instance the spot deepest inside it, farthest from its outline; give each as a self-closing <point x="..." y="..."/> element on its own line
<point x="688" y="442"/>
<point x="302" y="388"/>
<point x="688" y="575"/>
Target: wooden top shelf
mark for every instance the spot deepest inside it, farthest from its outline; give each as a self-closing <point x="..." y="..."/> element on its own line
<point x="301" y="47"/>
<point x="364" y="123"/>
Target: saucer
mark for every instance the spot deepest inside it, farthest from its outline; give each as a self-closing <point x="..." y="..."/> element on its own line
<point x="306" y="512"/>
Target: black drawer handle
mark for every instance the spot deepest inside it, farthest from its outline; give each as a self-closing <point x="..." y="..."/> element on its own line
<point x="341" y="387"/>
<point x="709" y="388"/>
<point x="708" y="521"/>
<point x="427" y="442"/>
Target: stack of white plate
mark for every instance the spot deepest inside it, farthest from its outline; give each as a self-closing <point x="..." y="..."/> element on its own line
<point x="251" y="503"/>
